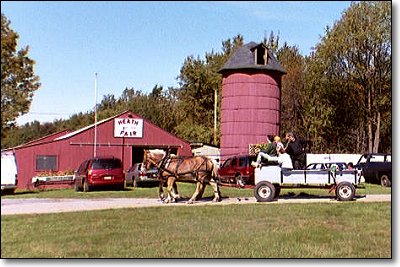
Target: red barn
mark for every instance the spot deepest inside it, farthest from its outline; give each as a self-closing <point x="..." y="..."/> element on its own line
<point x="124" y="136"/>
<point x="251" y="99"/>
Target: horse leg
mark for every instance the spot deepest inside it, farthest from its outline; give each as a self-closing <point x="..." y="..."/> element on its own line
<point x="216" y="190"/>
<point x="161" y="190"/>
<point x="170" y="183"/>
<point x="196" y="193"/>
<point x="201" y="191"/>
<point x="175" y="192"/>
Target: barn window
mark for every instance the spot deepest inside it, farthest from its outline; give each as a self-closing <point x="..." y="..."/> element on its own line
<point x="46" y="163"/>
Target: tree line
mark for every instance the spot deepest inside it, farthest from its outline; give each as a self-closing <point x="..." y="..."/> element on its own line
<point x="338" y="97"/>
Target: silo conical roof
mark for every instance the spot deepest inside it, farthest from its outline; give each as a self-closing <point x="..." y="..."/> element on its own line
<point x="245" y="57"/>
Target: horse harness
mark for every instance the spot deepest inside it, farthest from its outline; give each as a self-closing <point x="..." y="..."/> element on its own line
<point x="165" y="162"/>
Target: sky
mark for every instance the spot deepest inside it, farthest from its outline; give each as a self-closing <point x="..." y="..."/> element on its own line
<point x="142" y="44"/>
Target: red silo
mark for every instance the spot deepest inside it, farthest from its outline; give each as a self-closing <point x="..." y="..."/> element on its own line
<point x="251" y="99"/>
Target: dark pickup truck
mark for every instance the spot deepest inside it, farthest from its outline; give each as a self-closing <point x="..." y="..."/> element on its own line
<point x="376" y="168"/>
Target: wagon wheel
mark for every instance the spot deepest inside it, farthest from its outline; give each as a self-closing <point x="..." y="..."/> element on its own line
<point x="385" y="181"/>
<point x="345" y="191"/>
<point x="264" y="191"/>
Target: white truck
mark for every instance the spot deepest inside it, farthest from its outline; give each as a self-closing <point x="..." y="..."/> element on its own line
<point x="270" y="179"/>
<point x="9" y="173"/>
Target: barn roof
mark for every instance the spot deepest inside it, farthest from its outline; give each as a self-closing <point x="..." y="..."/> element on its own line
<point x="42" y="140"/>
<point x="68" y="135"/>
<point x="245" y="57"/>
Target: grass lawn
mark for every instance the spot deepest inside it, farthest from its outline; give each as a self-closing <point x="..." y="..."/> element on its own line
<point x="185" y="189"/>
<point x="318" y="230"/>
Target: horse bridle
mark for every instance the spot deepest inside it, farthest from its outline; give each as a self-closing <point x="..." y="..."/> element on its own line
<point x="159" y="165"/>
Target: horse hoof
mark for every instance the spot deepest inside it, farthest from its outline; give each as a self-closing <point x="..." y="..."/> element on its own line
<point x="189" y="201"/>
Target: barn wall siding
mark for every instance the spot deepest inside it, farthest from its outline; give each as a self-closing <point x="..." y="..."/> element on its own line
<point x="71" y="150"/>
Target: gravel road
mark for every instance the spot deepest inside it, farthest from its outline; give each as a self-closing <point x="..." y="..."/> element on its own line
<point x="47" y="205"/>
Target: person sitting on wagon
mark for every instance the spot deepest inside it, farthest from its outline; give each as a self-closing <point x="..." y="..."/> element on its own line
<point x="350" y="166"/>
<point x="271" y="147"/>
<point x="283" y="159"/>
<point x="270" y="150"/>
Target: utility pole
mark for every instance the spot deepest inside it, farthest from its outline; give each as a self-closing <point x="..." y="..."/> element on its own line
<point x="215" y="115"/>
<point x="95" y="115"/>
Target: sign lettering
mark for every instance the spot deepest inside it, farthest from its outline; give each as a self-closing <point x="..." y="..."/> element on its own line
<point x="128" y="127"/>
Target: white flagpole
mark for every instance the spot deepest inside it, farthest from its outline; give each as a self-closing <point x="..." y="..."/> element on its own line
<point x="95" y="115"/>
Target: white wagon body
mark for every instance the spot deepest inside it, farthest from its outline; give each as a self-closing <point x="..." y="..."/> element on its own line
<point x="270" y="179"/>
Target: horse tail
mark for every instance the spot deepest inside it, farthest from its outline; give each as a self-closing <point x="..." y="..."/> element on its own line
<point x="214" y="170"/>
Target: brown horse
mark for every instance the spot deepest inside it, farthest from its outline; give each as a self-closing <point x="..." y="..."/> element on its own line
<point x="199" y="169"/>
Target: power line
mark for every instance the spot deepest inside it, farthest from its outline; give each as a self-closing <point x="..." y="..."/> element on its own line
<point x="47" y="113"/>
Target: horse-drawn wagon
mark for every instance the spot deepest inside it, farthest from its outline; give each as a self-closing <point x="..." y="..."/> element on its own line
<point x="270" y="179"/>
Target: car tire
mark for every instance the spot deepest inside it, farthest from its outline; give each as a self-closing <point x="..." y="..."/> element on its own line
<point x="385" y="182"/>
<point x="345" y="191"/>
<point x="264" y="191"/>
<point x="239" y="180"/>
<point x="77" y="187"/>
<point x="86" y="187"/>
<point x="121" y="187"/>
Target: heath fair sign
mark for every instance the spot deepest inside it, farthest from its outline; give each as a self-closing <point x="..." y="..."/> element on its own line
<point x="128" y="127"/>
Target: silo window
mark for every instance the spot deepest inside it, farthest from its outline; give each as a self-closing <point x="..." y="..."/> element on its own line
<point x="261" y="56"/>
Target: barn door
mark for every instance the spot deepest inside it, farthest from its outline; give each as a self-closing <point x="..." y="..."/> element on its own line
<point x="137" y="154"/>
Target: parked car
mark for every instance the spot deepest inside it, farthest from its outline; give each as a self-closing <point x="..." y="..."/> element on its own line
<point x="326" y="165"/>
<point x="99" y="171"/>
<point x="376" y="168"/>
<point x="137" y="175"/>
<point x="237" y="170"/>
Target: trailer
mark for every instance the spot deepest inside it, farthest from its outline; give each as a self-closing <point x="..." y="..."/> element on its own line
<point x="9" y="172"/>
<point x="270" y="179"/>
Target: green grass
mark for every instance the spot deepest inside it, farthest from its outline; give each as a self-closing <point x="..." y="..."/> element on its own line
<point x="185" y="189"/>
<point x="319" y="230"/>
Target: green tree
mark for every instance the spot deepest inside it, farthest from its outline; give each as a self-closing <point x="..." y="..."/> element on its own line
<point x="356" y="59"/>
<point x="317" y="110"/>
<point x="293" y="95"/>
<point x="199" y="80"/>
<point x="272" y="43"/>
<point x="18" y="81"/>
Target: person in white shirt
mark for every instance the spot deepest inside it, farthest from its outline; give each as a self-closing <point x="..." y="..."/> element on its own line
<point x="283" y="159"/>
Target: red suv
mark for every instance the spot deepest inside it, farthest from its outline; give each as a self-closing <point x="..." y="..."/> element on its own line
<point x="99" y="171"/>
<point x="237" y="170"/>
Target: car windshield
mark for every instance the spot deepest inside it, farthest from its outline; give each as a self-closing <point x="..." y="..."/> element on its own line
<point x="106" y="164"/>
